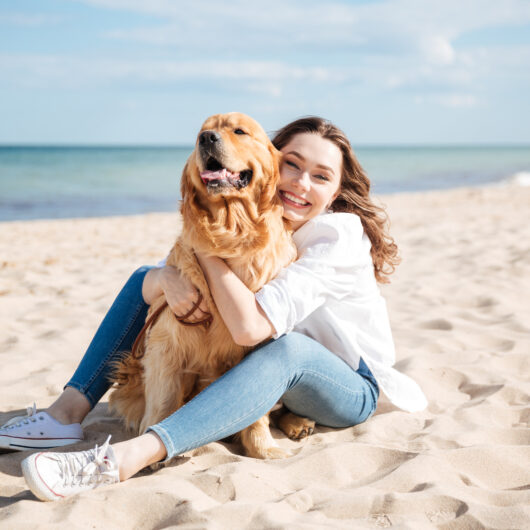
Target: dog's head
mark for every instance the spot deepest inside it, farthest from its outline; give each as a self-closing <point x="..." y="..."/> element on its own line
<point x="228" y="186"/>
<point x="233" y="159"/>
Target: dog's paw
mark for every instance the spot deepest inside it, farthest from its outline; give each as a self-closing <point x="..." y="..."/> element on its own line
<point x="276" y="453"/>
<point x="268" y="452"/>
<point x="296" y="427"/>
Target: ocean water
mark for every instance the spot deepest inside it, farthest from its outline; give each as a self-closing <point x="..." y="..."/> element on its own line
<point x="40" y="182"/>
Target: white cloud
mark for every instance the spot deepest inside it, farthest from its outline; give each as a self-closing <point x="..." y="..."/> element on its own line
<point x="438" y="50"/>
<point x="399" y="46"/>
<point x="455" y="100"/>
<point x="412" y="25"/>
<point x="33" y="20"/>
<point x="458" y="100"/>
<point x="41" y="71"/>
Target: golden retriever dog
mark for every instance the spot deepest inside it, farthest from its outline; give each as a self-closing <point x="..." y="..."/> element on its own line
<point x="230" y="209"/>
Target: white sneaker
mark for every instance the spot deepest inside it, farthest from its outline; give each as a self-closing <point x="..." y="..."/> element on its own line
<point x="53" y="476"/>
<point x="37" y="430"/>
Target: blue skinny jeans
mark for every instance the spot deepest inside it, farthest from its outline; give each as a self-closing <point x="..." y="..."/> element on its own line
<point x="309" y="379"/>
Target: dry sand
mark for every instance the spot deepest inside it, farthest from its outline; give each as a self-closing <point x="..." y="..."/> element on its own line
<point x="461" y="320"/>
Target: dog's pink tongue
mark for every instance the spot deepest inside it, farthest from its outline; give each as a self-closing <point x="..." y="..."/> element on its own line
<point x="220" y="174"/>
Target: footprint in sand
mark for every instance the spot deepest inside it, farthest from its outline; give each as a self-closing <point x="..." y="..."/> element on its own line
<point x="8" y="342"/>
<point x="479" y="391"/>
<point x="484" y="302"/>
<point x="455" y="509"/>
<point x="438" y="323"/>
<point x="50" y="334"/>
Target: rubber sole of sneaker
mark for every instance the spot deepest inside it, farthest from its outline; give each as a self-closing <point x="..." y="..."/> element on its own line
<point x="28" y="444"/>
<point x="34" y="481"/>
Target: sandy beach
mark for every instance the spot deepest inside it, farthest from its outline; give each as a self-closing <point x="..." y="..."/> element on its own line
<point x="461" y="320"/>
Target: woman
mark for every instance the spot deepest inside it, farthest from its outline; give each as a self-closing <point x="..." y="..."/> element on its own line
<point x="332" y="349"/>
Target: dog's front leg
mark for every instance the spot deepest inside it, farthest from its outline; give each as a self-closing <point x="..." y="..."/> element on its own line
<point x="258" y="442"/>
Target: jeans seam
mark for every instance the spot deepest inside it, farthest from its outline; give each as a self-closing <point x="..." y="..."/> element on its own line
<point x="115" y="347"/>
<point x="348" y="391"/>
<point x="332" y="381"/>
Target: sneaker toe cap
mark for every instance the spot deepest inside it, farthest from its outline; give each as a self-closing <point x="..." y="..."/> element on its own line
<point x="42" y="474"/>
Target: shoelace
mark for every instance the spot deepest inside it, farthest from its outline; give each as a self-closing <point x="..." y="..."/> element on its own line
<point x="17" y="421"/>
<point x="86" y="466"/>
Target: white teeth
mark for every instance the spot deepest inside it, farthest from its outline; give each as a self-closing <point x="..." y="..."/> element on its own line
<point x="295" y="199"/>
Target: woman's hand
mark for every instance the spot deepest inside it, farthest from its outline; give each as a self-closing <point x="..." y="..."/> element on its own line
<point x="179" y="292"/>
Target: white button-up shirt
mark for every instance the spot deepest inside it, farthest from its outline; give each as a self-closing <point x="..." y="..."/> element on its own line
<point x="330" y="294"/>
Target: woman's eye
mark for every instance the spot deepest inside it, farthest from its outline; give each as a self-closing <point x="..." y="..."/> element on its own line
<point x="239" y="131"/>
<point x="321" y="177"/>
<point x="292" y="164"/>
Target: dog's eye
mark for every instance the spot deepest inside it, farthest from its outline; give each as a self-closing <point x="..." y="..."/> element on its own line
<point x="239" y="131"/>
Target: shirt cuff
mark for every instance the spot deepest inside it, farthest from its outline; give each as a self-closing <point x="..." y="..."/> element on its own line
<point x="279" y="327"/>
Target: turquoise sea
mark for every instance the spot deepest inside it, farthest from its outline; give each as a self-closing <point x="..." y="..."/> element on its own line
<point x="38" y="182"/>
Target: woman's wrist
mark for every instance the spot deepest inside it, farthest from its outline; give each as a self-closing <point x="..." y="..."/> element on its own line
<point x="152" y="285"/>
<point x="205" y="260"/>
<point x="161" y="279"/>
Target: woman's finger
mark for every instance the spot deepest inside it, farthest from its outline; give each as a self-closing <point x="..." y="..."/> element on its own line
<point x="181" y="310"/>
<point x="204" y="307"/>
<point x="185" y="304"/>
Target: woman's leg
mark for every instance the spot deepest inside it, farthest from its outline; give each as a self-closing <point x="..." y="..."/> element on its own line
<point x="116" y="334"/>
<point x="310" y="380"/>
<point x="60" y="423"/>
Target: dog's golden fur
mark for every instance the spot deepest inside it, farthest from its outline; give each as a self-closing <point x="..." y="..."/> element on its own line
<point x="244" y="227"/>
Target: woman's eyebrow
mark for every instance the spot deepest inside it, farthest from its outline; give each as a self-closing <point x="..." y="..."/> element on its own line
<point x="295" y="153"/>
<point x="322" y="166"/>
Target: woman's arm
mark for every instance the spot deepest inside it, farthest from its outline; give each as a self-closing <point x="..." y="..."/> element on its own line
<point x="179" y="292"/>
<point x="151" y="288"/>
<point x="237" y="304"/>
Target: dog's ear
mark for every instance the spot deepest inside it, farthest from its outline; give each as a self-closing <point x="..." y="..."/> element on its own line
<point x="269" y="195"/>
<point x="188" y="204"/>
<point x="185" y="180"/>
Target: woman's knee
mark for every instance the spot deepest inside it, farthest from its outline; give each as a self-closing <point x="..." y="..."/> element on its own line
<point x="140" y="272"/>
<point x="290" y="350"/>
<point x="135" y="283"/>
<point x="138" y="276"/>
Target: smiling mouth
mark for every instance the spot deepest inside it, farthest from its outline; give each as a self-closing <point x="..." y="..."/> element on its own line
<point x="293" y="200"/>
<point x="216" y="177"/>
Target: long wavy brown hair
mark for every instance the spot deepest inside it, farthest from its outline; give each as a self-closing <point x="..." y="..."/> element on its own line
<point x="354" y="196"/>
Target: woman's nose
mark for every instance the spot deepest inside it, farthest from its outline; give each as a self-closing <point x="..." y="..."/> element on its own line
<point x="303" y="180"/>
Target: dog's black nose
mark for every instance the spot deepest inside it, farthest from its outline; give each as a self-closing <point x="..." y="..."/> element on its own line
<point x="209" y="137"/>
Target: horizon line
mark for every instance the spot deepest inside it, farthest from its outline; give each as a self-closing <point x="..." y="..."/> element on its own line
<point x="191" y="146"/>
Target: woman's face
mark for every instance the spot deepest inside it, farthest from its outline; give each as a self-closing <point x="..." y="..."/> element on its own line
<point x="310" y="175"/>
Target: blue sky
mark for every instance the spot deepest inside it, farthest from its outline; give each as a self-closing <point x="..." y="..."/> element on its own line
<point x="150" y="71"/>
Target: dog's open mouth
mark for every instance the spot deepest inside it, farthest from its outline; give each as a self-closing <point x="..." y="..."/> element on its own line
<point x="217" y="177"/>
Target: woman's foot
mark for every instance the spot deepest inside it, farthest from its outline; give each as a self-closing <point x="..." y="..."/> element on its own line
<point x="135" y="454"/>
<point x="57" y="426"/>
<point x="53" y="476"/>
<point x="38" y="430"/>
